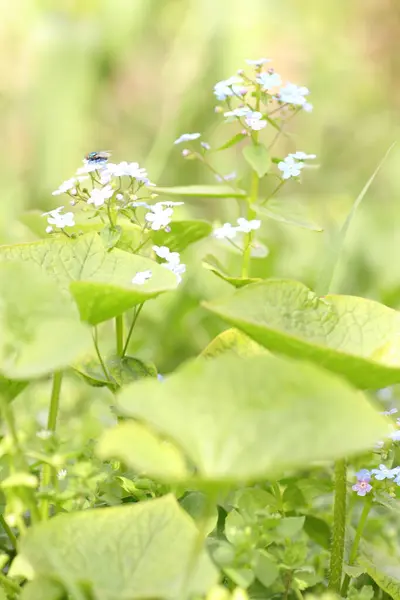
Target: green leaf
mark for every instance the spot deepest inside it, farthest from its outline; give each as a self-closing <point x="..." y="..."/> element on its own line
<point x="10" y="389"/>
<point x="241" y="577"/>
<point x="355" y="337"/>
<point x="266" y="570"/>
<point x="236" y="139"/>
<point x="20" y="479"/>
<point x="287" y="211"/>
<point x="318" y="530"/>
<point x="226" y="440"/>
<point x="201" y="191"/>
<point x="182" y="234"/>
<point x="110" y="236"/>
<point x="100" y="281"/>
<point x="234" y="341"/>
<point x="43" y="588"/>
<point x="116" y="551"/>
<point x="120" y="370"/>
<point x="384" y="571"/>
<point x="4" y="597"/>
<point x="258" y="158"/>
<point x="196" y="505"/>
<point x="290" y="526"/>
<point x="235" y="281"/>
<point x="40" y="326"/>
<point x="143" y="451"/>
<point x="251" y="502"/>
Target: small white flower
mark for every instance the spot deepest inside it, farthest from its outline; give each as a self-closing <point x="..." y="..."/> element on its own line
<point x="66" y="186"/>
<point x="302" y="156"/>
<point x="49" y="229"/>
<point x="228" y="87"/>
<point x="187" y="137"/>
<point x="226" y="231"/>
<point x="166" y="254"/>
<point x="269" y="80"/>
<point x="119" y="197"/>
<point x="205" y="145"/>
<point x="258" y="62"/>
<point x="44" y="434"/>
<point x="242" y="111"/>
<point x="255" y="121"/>
<point x="177" y="268"/>
<point x="124" y="169"/>
<point x="62" y="473"/>
<point x="308" y="107"/>
<point x="246" y="226"/>
<point x="293" y="94"/>
<point x="159" y="217"/>
<point x="99" y="195"/>
<point x="229" y="177"/>
<point x="290" y="168"/>
<point x="141" y="277"/>
<point x="54" y="217"/>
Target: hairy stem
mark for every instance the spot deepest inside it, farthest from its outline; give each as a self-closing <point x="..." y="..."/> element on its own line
<point x="339" y="526"/>
<point x="51" y="426"/>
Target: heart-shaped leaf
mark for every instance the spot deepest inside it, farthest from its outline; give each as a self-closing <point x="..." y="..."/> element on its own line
<point x="100" y="281"/>
<point x="355" y="337"/>
<point x="181" y="234"/>
<point x="115" y="552"/>
<point x="40" y="326"/>
<point x="266" y="407"/>
<point x="120" y="371"/>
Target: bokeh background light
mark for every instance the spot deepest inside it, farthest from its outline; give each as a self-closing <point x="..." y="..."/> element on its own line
<point x="132" y="75"/>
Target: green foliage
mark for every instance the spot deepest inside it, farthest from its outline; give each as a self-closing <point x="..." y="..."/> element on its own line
<point x="258" y="158"/>
<point x="117" y="550"/>
<point x="255" y="395"/>
<point x="287" y="317"/>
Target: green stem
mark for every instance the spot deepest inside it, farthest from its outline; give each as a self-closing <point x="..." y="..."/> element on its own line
<point x="128" y="338"/>
<point x="51" y="426"/>
<point x="275" y="191"/>
<point x="27" y="493"/>
<point x="101" y="361"/>
<point x="119" y="334"/>
<point x="7" y="529"/>
<point x="339" y="526"/>
<point x="356" y="542"/>
<point x="250" y="215"/>
<point x="10" y="585"/>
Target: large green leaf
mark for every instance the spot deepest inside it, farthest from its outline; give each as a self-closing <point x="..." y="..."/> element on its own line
<point x="355" y="337"/>
<point x="181" y="234"/>
<point x="384" y="570"/>
<point x="40" y="326"/>
<point x="240" y="418"/>
<point x="202" y="191"/>
<point x="143" y="451"/>
<point x="42" y="588"/>
<point x="131" y="551"/>
<point x="11" y="388"/>
<point x="100" y="281"/>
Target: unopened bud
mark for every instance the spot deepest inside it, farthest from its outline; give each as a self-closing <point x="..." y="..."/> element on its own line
<point x="186" y="152"/>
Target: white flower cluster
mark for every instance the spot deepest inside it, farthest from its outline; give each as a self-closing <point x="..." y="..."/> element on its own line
<point x="173" y="261"/>
<point x="240" y="85"/>
<point x="228" y="231"/>
<point x="293" y="164"/>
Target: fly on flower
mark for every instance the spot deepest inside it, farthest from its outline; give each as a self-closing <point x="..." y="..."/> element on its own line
<point x="98" y="157"/>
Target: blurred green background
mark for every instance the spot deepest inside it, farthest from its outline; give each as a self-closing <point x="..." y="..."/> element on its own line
<point x="132" y="75"/>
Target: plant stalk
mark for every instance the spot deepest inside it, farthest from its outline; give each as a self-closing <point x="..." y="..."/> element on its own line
<point x="356" y="541"/>
<point x="339" y="526"/>
<point x="51" y="426"/>
<point x="128" y="338"/>
<point x="8" y="531"/>
<point x="119" y="334"/>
